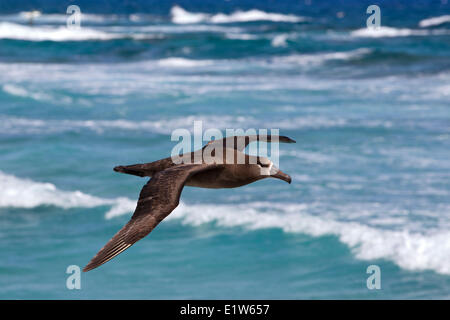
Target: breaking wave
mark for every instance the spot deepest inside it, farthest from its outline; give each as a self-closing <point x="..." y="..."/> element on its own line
<point x="176" y="62"/>
<point x="409" y="250"/>
<point x="389" y="32"/>
<point x="14" y="125"/>
<point x="38" y="17"/>
<point x="181" y="16"/>
<point x="25" y="193"/>
<point x="24" y="93"/>
<point x="60" y="33"/>
<point x="45" y="33"/>
<point x="320" y="58"/>
<point x="435" y="21"/>
<point x="34" y="126"/>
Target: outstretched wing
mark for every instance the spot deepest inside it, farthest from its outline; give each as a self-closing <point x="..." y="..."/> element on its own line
<point x="156" y="201"/>
<point x="241" y="142"/>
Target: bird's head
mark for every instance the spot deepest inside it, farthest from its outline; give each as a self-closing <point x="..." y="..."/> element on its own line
<point x="264" y="168"/>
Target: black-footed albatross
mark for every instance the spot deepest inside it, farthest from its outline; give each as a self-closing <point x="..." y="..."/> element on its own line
<point x="161" y="195"/>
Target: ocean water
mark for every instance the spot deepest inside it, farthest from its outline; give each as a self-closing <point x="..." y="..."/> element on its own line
<point x="371" y="167"/>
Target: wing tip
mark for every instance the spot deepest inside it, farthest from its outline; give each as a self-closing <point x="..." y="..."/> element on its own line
<point x="128" y="170"/>
<point x="118" y="169"/>
<point x="88" y="268"/>
<point x="93" y="264"/>
<point x="287" y="139"/>
<point x="104" y="256"/>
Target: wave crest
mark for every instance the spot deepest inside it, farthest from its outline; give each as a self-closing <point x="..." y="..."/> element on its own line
<point x="45" y="33"/>
<point x="389" y="32"/>
<point x="435" y="21"/>
<point x="28" y="194"/>
<point x="181" y="16"/>
<point x="409" y="250"/>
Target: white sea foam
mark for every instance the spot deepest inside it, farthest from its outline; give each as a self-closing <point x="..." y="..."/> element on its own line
<point x="241" y="36"/>
<point x="254" y="15"/>
<point x="22" y="92"/>
<point x="181" y="16"/>
<point x="15" y="31"/>
<point x="390" y="32"/>
<point x="25" y="193"/>
<point x="409" y="250"/>
<point x="16" y="125"/>
<point x="435" y="21"/>
<point x="279" y="40"/>
<point x="102" y="83"/>
<point x="319" y="58"/>
<point x="178" y="28"/>
<point x="382" y="32"/>
<point x="176" y="62"/>
<point x="39" y="95"/>
<point x="38" y="17"/>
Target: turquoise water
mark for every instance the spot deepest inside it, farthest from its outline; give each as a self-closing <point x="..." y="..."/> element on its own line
<point x="369" y="111"/>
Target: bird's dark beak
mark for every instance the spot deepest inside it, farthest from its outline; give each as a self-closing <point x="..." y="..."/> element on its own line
<point x="277" y="173"/>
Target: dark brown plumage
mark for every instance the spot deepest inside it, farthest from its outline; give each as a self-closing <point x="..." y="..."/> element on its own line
<point x="161" y="195"/>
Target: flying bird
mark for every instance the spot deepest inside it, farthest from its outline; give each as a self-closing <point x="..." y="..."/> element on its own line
<point x="161" y="195"/>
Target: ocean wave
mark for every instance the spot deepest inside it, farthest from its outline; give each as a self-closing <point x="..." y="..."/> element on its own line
<point x="320" y="58"/>
<point x="435" y="21"/>
<point x="26" y="193"/>
<point x="24" y="93"/>
<point x="241" y="36"/>
<point x="409" y="250"/>
<point x="279" y="40"/>
<point x="16" y="31"/>
<point x="292" y="59"/>
<point x="149" y="78"/>
<point x="16" y="125"/>
<point x="38" y="17"/>
<point x="177" y="62"/>
<point x="389" y="32"/>
<point x="41" y="96"/>
<point x="13" y="125"/>
<point x="174" y="29"/>
<point x="46" y="33"/>
<point x="181" y="16"/>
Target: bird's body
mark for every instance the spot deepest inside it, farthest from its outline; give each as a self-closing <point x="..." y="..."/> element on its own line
<point x="217" y="165"/>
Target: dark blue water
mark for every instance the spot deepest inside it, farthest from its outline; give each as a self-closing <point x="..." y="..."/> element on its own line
<point x="369" y="110"/>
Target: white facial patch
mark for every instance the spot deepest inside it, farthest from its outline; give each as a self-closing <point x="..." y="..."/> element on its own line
<point x="265" y="171"/>
<point x="265" y="161"/>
